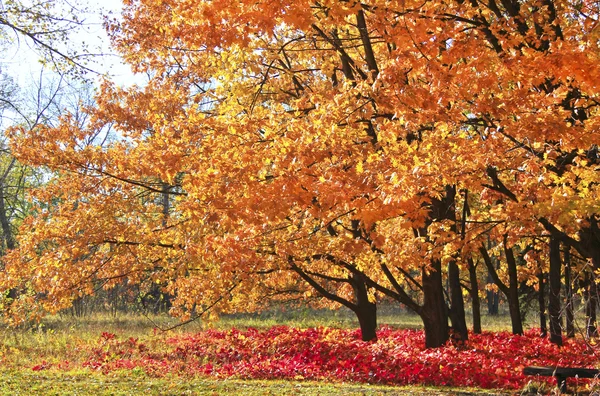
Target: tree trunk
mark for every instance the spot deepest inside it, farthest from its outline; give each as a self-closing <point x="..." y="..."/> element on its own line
<point x="457" y="304"/>
<point x="367" y="319"/>
<point x="493" y="297"/>
<point x="554" y="297"/>
<point x="474" y="292"/>
<point x="434" y="311"/>
<point x="5" y="222"/>
<point x="475" y="301"/>
<point x="515" y="316"/>
<point x="9" y="241"/>
<point x="570" y="316"/>
<point x="542" y="303"/>
<point x="590" y="308"/>
<point x="513" y="291"/>
<point x="365" y="310"/>
<point x="493" y="302"/>
<point x="587" y="245"/>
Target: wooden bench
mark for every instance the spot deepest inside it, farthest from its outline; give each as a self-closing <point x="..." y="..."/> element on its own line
<point x="561" y="374"/>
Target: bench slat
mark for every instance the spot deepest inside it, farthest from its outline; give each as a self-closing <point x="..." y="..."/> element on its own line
<point x="561" y="372"/>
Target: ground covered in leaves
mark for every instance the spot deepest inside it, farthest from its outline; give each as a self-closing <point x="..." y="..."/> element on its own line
<point x="493" y="360"/>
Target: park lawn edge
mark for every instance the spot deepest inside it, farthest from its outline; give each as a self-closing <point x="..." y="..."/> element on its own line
<point x="132" y="382"/>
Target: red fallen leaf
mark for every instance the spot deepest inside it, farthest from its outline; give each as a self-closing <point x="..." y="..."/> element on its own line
<point x="43" y="366"/>
<point x="489" y="360"/>
<point x="108" y="336"/>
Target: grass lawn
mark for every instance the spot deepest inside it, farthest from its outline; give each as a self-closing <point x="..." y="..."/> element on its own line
<point x="58" y="338"/>
<point x="27" y="382"/>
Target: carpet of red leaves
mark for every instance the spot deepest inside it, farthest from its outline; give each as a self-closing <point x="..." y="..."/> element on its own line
<point x="489" y="360"/>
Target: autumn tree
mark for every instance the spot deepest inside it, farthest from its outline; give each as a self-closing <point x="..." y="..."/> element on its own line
<point x="326" y="140"/>
<point x="44" y="31"/>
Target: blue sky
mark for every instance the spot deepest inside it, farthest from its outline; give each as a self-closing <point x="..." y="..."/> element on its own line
<point x="21" y="62"/>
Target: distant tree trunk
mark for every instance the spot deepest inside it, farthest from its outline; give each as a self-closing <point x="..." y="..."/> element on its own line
<point x="542" y="303"/>
<point x="434" y="312"/>
<point x="474" y="292"/>
<point x="587" y="245"/>
<point x="512" y="290"/>
<point x="554" y="296"/>
<point x="493" y="302"/>
<point x="165" y="201"/>
<point x="457" y="302"/>
<point x="570" y="316"/>
<point x="7" y="234"/>
<point x="5" y="222"/>
<point x="493" y="297"/>
<point x="591" y="295"/>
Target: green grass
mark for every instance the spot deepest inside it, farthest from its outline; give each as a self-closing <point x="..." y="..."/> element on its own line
<point x="127" y="383"/>
<point x="133" y="324"/>
<point x="56" y="340"/>
<point x="56" y="337"/>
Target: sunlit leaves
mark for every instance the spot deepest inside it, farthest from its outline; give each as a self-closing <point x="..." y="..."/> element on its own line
<point x="271" y="131"/>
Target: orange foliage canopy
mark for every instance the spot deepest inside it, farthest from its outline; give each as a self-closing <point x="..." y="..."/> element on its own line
<point x="314" y="136"/>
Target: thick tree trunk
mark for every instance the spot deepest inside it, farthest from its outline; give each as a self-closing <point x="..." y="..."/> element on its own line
<point x="365" y="310"/>
<point x="434" y="311"/>
<point x="554" y="296"/>
<point x="570" y="315"/>
<point x="367" y="319"/>
<point x="457" y="304"/>
<point x="542" y="303"/>
<point x="513" y="292"/>
<point x="475" y="301"/>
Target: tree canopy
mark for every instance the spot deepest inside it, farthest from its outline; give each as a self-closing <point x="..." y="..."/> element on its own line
<point x="336" y="144"/>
